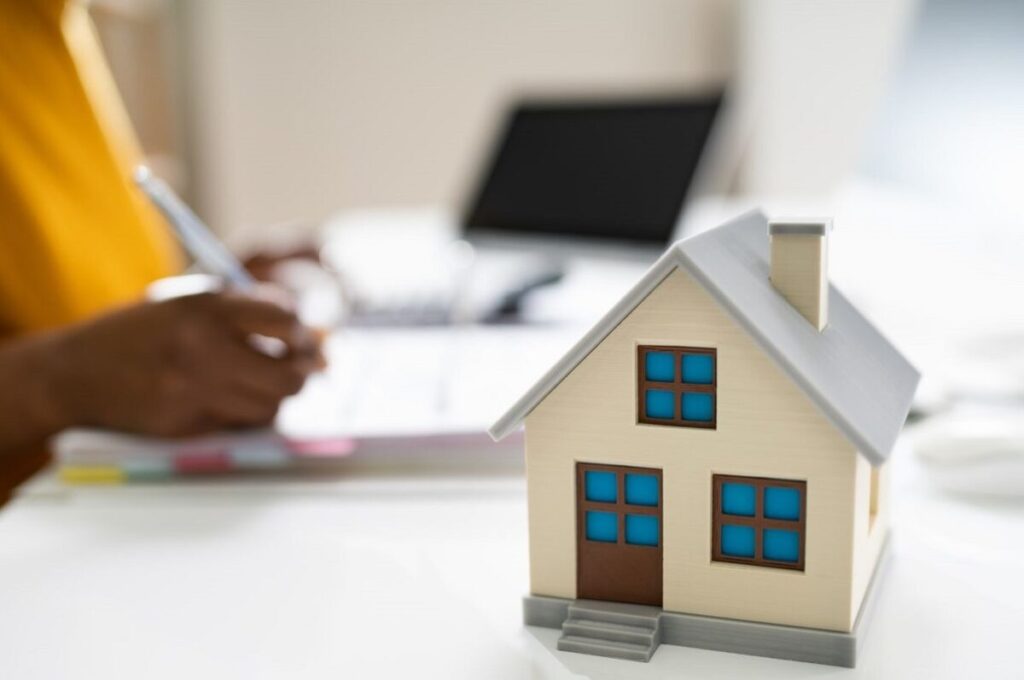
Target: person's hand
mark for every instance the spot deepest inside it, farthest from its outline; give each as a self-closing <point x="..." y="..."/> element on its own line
<point x="182" y="366"/>
<point x="262" y="264"/>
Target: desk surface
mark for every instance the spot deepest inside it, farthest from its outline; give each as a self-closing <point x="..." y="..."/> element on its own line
<point x="408" y="570"/>
<point x="416" y="571"/>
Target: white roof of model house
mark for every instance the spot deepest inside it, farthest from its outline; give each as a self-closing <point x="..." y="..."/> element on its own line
<point x="858" y="379"/>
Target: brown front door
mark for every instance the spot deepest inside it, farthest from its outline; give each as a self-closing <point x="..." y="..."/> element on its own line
<point x="618" y="533"/>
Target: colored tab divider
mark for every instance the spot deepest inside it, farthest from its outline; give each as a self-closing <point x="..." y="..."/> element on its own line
<point x="261" y="455"/>
<point x="147" y="469"/>
<point x="202" y="462"/>
<point x="326" y="447"/>
<point x="91" y="474"/>
<point x="205" y="460"/>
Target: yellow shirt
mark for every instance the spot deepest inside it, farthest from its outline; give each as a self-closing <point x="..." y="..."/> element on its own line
<point x="76" y="236"/>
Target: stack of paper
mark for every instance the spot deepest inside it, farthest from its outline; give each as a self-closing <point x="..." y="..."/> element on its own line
<point x="105" y="457"/>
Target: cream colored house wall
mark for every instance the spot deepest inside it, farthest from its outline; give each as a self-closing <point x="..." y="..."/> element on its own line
<point x="766" y="427"/>
<point x="869" y="533"/>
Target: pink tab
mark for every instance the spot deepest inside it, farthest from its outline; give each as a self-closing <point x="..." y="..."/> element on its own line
<point x="215" y="460"/>
<point x="334" y="447"/>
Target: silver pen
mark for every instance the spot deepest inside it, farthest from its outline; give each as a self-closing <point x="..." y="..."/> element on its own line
<point x="195" y="237"/>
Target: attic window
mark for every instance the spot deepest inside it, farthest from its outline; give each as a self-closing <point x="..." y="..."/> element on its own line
<point x="677" y="386"/>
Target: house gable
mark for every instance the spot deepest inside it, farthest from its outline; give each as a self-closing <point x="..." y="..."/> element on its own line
<point x="753" y="392"/>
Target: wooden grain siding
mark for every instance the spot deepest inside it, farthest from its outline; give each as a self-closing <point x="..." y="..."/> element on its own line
<point x="766" y="427"/>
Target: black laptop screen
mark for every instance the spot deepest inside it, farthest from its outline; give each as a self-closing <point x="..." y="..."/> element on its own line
<point x="606" y="171"/>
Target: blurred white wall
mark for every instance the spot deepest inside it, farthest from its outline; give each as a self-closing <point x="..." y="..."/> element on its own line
<point x="953" y="123"/>
<point x="296" y="109"/>
<point x="811" y="75"/>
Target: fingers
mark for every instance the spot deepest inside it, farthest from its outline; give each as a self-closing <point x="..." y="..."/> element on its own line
<point x="266" y="311"/>
<point x="262" y="265"/>
<point x="239" y="356"/>
<point x="265" y="375"/>
<point x="239" y="408"/>
<point x="246" y="395"/>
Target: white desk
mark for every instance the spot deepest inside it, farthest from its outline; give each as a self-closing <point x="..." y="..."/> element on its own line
<point x="418" y="573"/>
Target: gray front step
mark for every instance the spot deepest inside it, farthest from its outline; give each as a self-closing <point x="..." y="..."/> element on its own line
<point x="623" y="631"/>
<point x="618" y="650"/>
<point x="615" y="612"/>
<point x="602" y="630"/>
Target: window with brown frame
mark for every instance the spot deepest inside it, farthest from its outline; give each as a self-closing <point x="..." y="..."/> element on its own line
<point x="759" y="521"/>
<point x="619" y="504"/>
<point x="677" y="386"/>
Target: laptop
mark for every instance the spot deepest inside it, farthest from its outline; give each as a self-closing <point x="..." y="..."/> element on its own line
<point x="562" y="179"/>
<point x="591" y="173"/>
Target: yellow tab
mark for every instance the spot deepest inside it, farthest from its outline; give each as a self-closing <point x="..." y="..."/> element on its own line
<point x="94" y="474"/>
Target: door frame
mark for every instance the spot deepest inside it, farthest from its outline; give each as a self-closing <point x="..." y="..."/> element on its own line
<point x="642" y="562"/>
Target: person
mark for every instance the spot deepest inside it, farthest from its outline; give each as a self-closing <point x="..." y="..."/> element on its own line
<point x="79" y="344"/>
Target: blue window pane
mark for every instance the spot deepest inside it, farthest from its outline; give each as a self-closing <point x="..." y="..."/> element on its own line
<point x="781" y="545"/>
<point x="602" y="526"/>
<point x="600" y="486"/>
<point x="642" y="530"/>
<point x="781" y="502"/>
<point x="641" y="489"/>
<point x="698" y="369"/>
<point x="659" y="404"/>
<point x="737" y="541"/>
<point x="738" y="499"/>
<point x="698" y="406"/>
<point x="660" y="366"/>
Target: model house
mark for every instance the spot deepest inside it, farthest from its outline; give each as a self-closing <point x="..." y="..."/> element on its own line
<point x="707" y="466"/>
